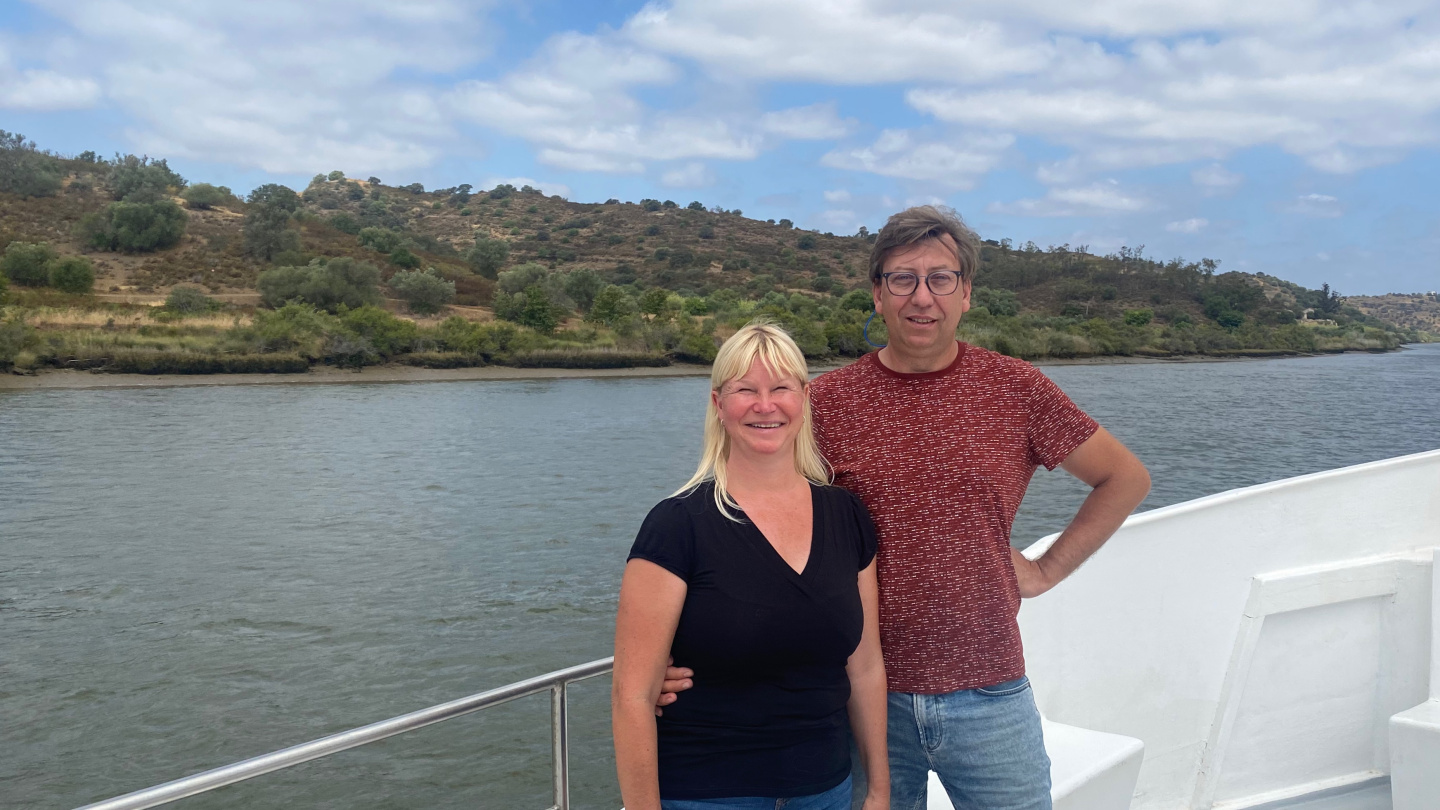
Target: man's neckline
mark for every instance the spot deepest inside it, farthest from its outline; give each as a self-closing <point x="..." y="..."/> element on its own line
<point x="923" y="375"/>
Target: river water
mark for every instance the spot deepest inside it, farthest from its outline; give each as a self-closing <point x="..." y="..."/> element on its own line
<point x="191" y="576"/>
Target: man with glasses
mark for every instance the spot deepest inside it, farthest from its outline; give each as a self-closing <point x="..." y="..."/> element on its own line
<point x="940" y="439"/>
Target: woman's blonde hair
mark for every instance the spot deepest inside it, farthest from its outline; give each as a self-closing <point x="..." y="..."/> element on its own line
<point x="775" y="348"/>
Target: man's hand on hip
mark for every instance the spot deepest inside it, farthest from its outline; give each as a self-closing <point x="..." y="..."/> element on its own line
<point x="677" y="679"/>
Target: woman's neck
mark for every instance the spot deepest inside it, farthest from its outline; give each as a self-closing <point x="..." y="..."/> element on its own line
<point x="769" y="473"/>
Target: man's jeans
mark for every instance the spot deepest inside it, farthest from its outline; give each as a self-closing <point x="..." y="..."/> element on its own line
<point x="985" y="744"/>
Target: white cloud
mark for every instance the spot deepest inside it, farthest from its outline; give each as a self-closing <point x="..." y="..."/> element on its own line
<point x="838" y="195"/>
<point x="813" y="123"/>
<point x="897" y="153"/>
<point x="691" y="175"/>
<point x="834" y="41"/>
<point x="1215" y="179"/>
<point x="1099" y="199"/>
<point x="1123" y="83"/>
<point x="283" y="87"/>
<point x="1322" y="206"/>
<point x="839" y="220"/>
<point x="520" y="182"/>
<point x="44" y="90"/>
<point x="1192" y="225"/>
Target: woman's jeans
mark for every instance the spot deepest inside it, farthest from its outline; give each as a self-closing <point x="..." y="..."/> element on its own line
<point x="985" y="744"/>
<point x="836" y="798"/>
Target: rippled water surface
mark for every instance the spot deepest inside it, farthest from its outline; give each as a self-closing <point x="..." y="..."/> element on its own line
<point x="191" y="576"/>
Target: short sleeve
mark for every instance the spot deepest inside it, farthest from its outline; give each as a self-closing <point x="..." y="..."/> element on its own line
<point x="865" y="536"/>
<point x="667" y="538"/>
<point x="1055" y="426"/>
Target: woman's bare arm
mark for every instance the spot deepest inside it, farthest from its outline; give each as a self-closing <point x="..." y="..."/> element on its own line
<point x="650" y="602"/>
<point x="868" y="699"/>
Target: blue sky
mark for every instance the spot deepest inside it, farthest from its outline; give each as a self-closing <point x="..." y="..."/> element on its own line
<point x="1299" y="138"/>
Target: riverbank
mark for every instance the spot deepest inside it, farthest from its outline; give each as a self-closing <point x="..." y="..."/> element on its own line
<point x="59" y="379"/>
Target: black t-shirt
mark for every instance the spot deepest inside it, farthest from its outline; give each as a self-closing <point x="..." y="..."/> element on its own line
<point x="766" y="715"/>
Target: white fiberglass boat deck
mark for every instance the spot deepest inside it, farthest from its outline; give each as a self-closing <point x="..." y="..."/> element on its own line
<point x="1268" y="647"/>
<point x="1273" y="646"/>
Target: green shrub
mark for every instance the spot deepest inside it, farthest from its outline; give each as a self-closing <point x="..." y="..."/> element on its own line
<point x="381" y="240"/>
<point x="24" y="170"/>
<point x="266" y="227"/>
<point x="344" y="222"/>
<point x="27" y="264"/>
<point x="582" y="286"/>
<point x="696" y="348"/>
<point x="15" y="336"/>
<point x="424" y="292"/>
<point x="134" y="227"/>
<point x="999" y="302"/>
<point x="696" y="205"/>
<point x="141" y="361"/>
<point x="402" y="257"/>
<point x="537" y="312"/>
<point x="1139" y="317"/>
<point x="190" y="301"/>
<point x="72" y="274"/>
<point x="858" y="300"/>
<point x="205" y="196"/>
<point x="476" y="339"/>
<point x="806" y="242"/>
<point x="388" y="334"/>
<point x="612" y="307"/>
<point x="324" y="284"/>
<point x="440" y="360"/>
<point x="586" y="358"/>
<point x="141" y="180"/>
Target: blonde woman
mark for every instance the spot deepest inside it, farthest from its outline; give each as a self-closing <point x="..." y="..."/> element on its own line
<point x="760" y="575"/>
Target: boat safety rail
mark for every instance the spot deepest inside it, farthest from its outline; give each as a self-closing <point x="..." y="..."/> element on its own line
<point x="556" y="683"/>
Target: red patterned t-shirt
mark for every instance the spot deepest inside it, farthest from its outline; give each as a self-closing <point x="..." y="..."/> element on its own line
<point x="942" y="461"/>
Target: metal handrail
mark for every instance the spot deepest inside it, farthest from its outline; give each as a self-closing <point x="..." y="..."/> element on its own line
<point x="556" y="683"/>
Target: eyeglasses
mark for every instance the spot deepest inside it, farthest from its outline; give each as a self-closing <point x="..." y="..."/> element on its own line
<point x="940" y="282"/>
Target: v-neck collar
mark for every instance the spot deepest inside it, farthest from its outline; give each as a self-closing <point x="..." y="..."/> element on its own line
<point x="812" y="557"/>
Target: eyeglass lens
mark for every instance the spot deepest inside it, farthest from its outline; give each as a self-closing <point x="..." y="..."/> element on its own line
<point x="942" y="282"/>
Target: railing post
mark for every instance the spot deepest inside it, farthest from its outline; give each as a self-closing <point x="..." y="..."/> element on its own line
<point x="560" y="743"/>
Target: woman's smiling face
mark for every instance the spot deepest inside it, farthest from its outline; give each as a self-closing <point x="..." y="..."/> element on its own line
<point x="762" y="411"/>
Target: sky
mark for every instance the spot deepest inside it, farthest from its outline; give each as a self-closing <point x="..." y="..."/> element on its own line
<point x="1299" y="138"/>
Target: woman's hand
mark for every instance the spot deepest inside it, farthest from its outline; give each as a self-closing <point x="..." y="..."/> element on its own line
<point x="875" y="801"/>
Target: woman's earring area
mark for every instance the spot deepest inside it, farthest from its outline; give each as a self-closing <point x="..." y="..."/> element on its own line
<point x="867" y="332"/>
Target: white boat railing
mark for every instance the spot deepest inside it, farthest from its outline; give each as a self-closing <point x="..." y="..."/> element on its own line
<point x="556" y="683"/>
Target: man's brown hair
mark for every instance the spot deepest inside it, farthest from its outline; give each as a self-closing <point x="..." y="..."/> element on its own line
<point x="913" y="226"/>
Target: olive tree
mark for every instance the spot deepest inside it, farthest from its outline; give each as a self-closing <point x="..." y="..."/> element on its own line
<point x="27" y="264"/>
<point x="423" y="291"/>
<point x="24" y="170"/>
<point x="72" y="274"/>
<point x="324" y="284"/>
<point x="267" y="222"/>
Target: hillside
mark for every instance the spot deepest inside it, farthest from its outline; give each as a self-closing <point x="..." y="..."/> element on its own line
<point x="1417" y="311"/>
<point x="500" y="245"/>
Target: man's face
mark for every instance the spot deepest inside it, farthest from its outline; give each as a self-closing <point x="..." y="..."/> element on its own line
<point x="922" y="324"/>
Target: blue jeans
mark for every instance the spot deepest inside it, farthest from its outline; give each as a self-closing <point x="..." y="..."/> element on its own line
<point x="836" y="798"/>
<point x="985" y="744"/>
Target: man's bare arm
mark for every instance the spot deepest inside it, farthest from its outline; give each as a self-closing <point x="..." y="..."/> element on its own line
<point x="1118" y="481"/>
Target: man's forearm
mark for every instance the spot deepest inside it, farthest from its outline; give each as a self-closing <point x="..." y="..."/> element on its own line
<point x="1103" y="512"/>
<point x="1105" y="509"/>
